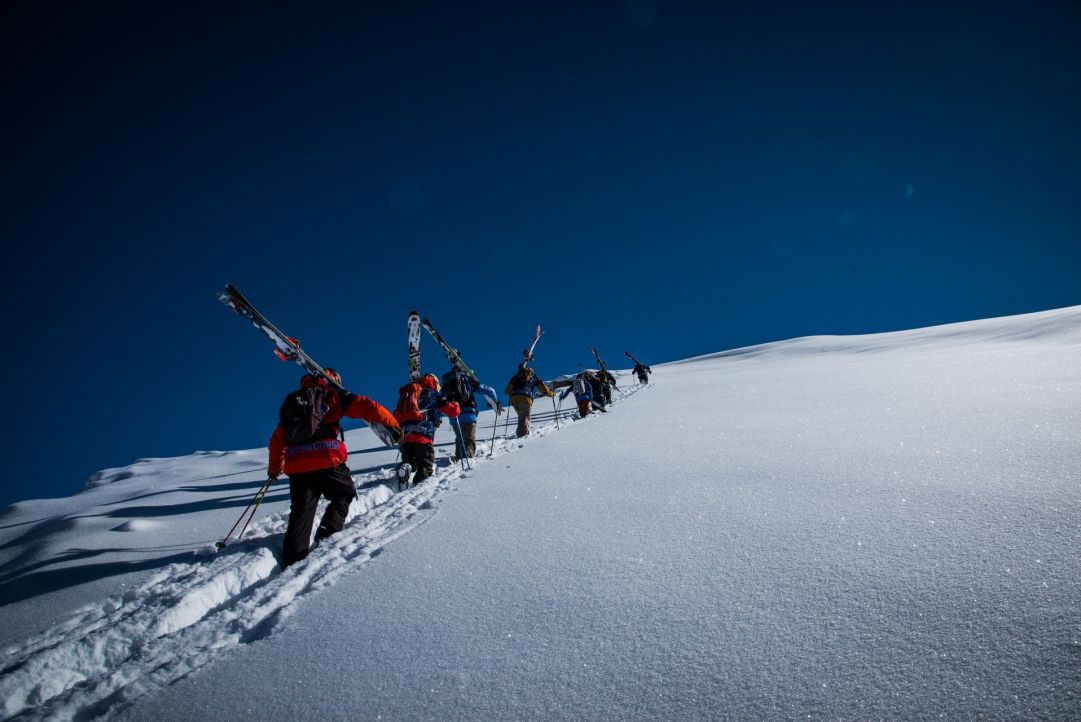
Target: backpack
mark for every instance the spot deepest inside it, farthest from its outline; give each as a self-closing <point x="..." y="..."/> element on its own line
<point x="456" y="388"/>
<point x="301" y="415"/>
<point x="520" y="379"/>
<point x="580" y="387"/>
<point x="408" y="408"/>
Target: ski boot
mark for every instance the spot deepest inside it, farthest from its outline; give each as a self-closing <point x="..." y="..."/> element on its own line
<point x="402" y="474"/>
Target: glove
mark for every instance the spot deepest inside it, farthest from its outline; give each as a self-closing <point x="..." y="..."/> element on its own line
<point x="273" y="475"/>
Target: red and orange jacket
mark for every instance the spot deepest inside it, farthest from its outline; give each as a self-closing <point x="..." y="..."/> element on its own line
<point x="330" y="452"/>
<point x="432" y="405"/>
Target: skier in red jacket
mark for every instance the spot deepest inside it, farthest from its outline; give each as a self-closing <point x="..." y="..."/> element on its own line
<point x="420" y="408"/>
<point x="308" y="446"/>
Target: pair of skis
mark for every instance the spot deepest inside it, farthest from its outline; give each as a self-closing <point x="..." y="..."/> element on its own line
<point x="288" y="348"/>
<point x="600" y="362"/>
<point x="415" y="324"/>
<point x="527" y="354"/>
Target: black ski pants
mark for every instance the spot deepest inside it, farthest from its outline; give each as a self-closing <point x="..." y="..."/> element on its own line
<point x="337" y="486"/>
<point x="421" y="457"/>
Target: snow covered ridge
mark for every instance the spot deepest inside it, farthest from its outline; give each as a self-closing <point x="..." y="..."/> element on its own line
<point x="853" y="528"/>
<point x="108" y="654"/>
<point x="1062" y="325"/>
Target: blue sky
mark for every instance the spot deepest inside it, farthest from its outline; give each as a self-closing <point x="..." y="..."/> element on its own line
<point x="668" y="178"/>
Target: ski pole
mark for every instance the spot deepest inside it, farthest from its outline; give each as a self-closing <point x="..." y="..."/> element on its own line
<point x="254" y="509"/>
<point x="495" y="427"/>
<point x="459" y="442"/>
<point x="258" y="495"/>
<point x="506" y="422"/>
<point x="555" y="411"/>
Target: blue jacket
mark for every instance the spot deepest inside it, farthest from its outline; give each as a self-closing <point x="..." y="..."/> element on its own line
<point x="431" y="405"/>
<point x="471" y="387"/>
<point x="587" y="396"/>
<point x="531" y="389"/>
<point x="469" y="411"/>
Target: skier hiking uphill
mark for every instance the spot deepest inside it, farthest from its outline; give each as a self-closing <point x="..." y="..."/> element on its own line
<point x="642" y="372"/>
<point x="522" y="388"/>
<point x="583" y="393"/>
<point x="600" y="392"/>
<point x="420" y="408"/>
<point x="608" y="382"/>
<point x="307" y="446"/>
<point x="459" y="387"/>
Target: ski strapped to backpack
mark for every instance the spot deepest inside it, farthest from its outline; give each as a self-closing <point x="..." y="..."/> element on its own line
<point x="288" y="348"/>
<point x="414" y="345"/>
<point x="527" y="354"/>
<point x="452" y="353"/>
<point x="600" y="361"/>
<point x="455" y="358"/>
<point x="632" y="358"/>
<point x="456" y="387"/>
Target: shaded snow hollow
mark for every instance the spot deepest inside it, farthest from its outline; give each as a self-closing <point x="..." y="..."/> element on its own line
<point x="834" y="527"/>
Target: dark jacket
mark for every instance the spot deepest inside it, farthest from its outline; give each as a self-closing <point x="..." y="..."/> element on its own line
<point x="526" y="383"/>
<point x="330" y="451"/>
<point x="468" y="403"/>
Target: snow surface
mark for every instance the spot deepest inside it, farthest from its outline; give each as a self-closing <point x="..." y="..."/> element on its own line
<point x="879" y="526"/>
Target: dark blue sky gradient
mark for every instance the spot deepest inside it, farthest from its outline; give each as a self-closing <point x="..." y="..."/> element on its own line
<point x="671" y="178"/>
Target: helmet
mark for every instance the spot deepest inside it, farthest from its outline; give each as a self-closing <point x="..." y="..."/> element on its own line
<point x="430" y="381"/>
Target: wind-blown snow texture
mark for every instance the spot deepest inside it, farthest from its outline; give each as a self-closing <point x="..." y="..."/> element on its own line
<point x="831" y="527"/>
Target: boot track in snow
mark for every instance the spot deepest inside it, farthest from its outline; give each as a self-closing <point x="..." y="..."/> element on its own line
<point x="188" y="614"/>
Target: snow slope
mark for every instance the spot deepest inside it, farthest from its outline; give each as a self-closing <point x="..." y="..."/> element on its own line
<point x="831" y="527"/>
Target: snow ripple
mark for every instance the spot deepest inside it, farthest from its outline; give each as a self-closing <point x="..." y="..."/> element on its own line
<point x="106" y="656"/>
